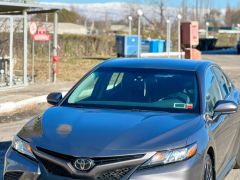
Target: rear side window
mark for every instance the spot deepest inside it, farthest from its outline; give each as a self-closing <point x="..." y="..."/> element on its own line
<point x="223" y="82"/>
<point x="212" y="90"/>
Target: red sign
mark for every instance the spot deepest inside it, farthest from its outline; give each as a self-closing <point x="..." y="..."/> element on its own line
<point x="41" y="35"/>
<point x="41" y="30"/>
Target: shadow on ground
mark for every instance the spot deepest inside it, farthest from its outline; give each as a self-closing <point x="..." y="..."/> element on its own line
<point x="3" y="148"/>
<point x="231" y="51"/>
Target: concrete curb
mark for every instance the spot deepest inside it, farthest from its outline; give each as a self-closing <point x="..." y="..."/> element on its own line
<point x="13" y="106"/>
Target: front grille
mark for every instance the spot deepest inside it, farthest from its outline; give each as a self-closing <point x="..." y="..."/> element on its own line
<point x="12" y="175"/>
<point x="115" y="174"/>
<point x="111" y="174"/>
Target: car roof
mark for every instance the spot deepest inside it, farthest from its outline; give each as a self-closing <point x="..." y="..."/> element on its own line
<point x="157" y="63"/>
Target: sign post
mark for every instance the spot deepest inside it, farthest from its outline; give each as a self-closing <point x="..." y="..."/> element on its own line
<point x="41" y="36"/>
<point x="33" y="31"/>
<point x="33" y="60"/>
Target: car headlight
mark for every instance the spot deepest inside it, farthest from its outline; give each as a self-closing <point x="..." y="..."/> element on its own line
<point x="22" y="147"/>
<point x="171" y="156"/>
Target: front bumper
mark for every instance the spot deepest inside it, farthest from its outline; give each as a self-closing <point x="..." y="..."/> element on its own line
<point x="26" y="168"/>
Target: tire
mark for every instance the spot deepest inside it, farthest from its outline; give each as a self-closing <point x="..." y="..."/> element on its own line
<point x="238" y="50"/>
<point x="208" y="169"/>
<point x="237" y="165"/>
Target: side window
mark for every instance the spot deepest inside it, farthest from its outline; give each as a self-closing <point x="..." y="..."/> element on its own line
<point x="223" y="82"/>
<point x="85" y="90"/>
<point x="212" y="90"/>
<point x="115" y="80"/>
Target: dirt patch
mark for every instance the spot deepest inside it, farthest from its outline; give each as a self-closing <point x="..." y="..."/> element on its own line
<point x="23" y="113"/>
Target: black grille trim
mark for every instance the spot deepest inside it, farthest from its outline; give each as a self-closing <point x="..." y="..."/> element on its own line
<point x="12" y="175"/>
<point x="55" y="169"/>
<point x="97" y="160"/>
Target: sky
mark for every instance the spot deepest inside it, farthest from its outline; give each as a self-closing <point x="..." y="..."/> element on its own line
<point x="172" y="3"/>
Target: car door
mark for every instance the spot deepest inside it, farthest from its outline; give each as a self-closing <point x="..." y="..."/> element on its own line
<point x="229" y="93"/>
<point x="222" y="129"/>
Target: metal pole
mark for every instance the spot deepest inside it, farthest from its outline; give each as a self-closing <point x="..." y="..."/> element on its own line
<point x="238" y="25"/>
<point x="169" y="44"/>
<point x="139" y="38"/>
<point x="168" y="37"/>
<point x="11" y="53"/>
<point x="33" y="60"/>
<point x="130" y="25"/>
<point x="25" y="47"/>
<point x="179" y="36"/>
<point x="49" y="61"/>
<point x="207" y="24"/>
<point x="55" y="43"/>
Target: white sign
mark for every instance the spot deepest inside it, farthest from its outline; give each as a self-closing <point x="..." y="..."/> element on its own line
<point x="33" y="28"/>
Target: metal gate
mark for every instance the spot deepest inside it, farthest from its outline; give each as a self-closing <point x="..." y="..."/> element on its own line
<point x="11" y="43"/>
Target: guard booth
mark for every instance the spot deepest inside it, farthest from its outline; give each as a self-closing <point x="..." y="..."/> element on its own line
<point x="127" y="45"/>
<point x="190" y="39"/>
<point x="14" y="22"/>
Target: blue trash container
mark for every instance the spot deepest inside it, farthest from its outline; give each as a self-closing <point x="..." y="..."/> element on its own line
<point x="157" y="46"/>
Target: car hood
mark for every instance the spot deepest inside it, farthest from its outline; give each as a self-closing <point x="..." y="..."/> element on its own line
<point x="100" y="132"/>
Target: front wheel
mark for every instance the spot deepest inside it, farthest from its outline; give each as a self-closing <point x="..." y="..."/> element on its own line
<point x="237" y="165"/>
<point x="208" y="169"/>
<point x="238" y="50"/>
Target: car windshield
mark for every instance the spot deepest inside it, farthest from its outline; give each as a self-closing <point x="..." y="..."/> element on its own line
<point x="137" y="89"/>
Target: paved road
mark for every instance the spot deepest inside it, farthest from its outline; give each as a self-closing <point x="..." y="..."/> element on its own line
<point x="3" y="148"/>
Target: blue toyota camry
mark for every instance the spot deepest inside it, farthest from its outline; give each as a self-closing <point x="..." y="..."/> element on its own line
<point x="136" y="119"/>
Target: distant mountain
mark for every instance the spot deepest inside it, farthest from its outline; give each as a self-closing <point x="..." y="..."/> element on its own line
<point x="97" y="11"/>
<point x="120" y="11"/>
<point x="113" y="10"/>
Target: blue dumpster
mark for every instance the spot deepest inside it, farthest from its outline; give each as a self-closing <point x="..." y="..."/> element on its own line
<point x="157" y="46"/>
<point x="127" y="46"/>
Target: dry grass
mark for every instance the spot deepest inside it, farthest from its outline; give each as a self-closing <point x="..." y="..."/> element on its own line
<point x="69" y="69"/>
<point x="74" y="69"/>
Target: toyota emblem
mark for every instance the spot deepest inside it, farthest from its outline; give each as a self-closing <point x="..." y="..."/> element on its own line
<point x="83" y="164"/>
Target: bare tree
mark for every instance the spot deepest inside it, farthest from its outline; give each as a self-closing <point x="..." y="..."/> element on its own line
<point x="184" y="9"/>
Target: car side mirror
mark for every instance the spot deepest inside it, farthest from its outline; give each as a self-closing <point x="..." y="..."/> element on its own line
<point x="225" y="107"/>
<point x="54" y="98"/>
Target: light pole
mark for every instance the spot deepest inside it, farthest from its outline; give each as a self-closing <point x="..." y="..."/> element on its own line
<point x="140" y="14"/>
<point x="238" y="25"/>
<point x="168" y="37"/>
<point x="179" y="35"/>
<point x="130" y="25"/>
<point x="207" y="25"/>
